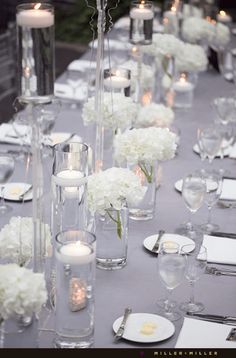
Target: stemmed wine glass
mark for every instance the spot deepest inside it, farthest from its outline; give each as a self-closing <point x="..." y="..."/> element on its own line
<point x="209" y="141"/>
<point x="171" y="268"/>
<point x="225" y="108"/>
<point x="213" y="192"/>
<point x="193" y="193"/>
<point x="7" y="166"/>
<point x="196" y="261"/>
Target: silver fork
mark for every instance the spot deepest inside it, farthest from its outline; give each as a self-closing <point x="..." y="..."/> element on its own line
<point x="218" y="272"/>
<point x="121" y="329"/>
<point x="157" y="242"/>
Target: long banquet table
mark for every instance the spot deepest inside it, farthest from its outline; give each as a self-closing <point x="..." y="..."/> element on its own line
<point x="137" y="285"/>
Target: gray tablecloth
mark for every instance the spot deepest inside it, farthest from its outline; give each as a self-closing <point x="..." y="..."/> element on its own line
<point x="138" y="285"/>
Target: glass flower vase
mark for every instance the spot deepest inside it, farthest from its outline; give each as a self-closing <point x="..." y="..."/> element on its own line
<point x="112" y="238"/>
<point x="147" y="172"/>
<point x="167" y="74"/>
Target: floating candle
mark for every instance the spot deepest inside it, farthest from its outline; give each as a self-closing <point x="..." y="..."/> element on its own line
<point x="35" y="17"/>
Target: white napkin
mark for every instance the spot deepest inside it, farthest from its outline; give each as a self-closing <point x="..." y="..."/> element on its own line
<point x="203" y="334"/>
<point x="220" y="250"/>
<point x="123" y="23"/>
<point x="113" y="44"/>
<point x="228" y="189"/>
<point x="81" y="65"/>
<point x="65" y="91"/>
<point x="8" y="134"/>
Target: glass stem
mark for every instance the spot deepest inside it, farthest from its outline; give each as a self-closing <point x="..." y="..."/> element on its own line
<point x="209" y="215"/>
<point x="189" y="223"/>
<point x="167" y="301"/>
<point x="192" y="299"/>
<point x="2" y="200"/>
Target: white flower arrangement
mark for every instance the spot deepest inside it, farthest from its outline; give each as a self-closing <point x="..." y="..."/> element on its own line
<point x="154" y="115"/>
<point x="190" y="10"/>
<point x="119" y="111"/>
<point x="16" y="239"/>
<point x="191" y="58"/>
<point x="22" y="292"/>
<point x="109" y="188"/>
<point x="144" y="145"/>
<point x="164" y="44"/>
<point x="195" y="29"/>
<point x="146" y="74"/>
<point x="222" y="35"/>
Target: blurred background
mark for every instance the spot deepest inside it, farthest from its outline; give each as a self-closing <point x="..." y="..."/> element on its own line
<point x="72" y="33"/>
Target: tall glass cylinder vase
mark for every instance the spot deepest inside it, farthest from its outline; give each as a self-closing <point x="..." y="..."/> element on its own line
<point x="167" y="73"/>
<point x="112" y="238"/>
<point x="147" y="172"/>
<point x="75" y="275"/>
<point x="69" y="187"/>
<point x="141" y="22"/>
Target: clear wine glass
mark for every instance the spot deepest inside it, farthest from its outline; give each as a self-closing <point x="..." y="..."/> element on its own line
<point x="225" y="108"/>
<point x="213" y="192"/>
<point x="209" y="141"/>
<point x="196" y="261"/>
<point x="193" y="193"/>
<point x="7" y="166"/>
<point x="171" y="268"/>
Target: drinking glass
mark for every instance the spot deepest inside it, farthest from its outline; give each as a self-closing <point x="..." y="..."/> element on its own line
<point x="225" y="108"/>
<point x="7" y="166"/>
<point x="213" y="192"/>
<point x="171" y="268"/>
<point x="195" y="263"/>
<point x="209" y="141"/>
<point x="193" y="192"/>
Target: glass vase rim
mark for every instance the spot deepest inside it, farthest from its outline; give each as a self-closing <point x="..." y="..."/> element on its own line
<point x="76" y="233"/>
<point x="59" y="147"/>
<point x="31" y="5"/>
<point x="113" y="69"/>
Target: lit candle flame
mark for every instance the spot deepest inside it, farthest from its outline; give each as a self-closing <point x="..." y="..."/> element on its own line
<point x="173" y="8"/>
<point x="147" y="98"/>
<point x="222" y="13"/>
<point x="182" y="77"/>
<point x="117" y="73"/>
<point x="37" y="6"/>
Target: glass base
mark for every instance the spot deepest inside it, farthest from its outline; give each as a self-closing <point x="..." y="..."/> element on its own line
<point x="111" y="264"/>
<point x="4" y="209"/>
<point x="209" y="227"/>
<point x="141" y="215"/>
<point x="72" y="342"/>
<point x="191" y="307"/>
<point x="172" y="316"/>
<point x="162" y="302"/>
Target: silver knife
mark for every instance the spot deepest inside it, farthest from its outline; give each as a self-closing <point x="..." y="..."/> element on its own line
<point x="121" y="329"/>
<point x="157" y="242"/>
<point x="214" y="318"/>
<point x="230" y="235"/>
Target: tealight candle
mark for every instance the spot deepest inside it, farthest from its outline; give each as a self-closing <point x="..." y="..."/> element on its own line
<point x="182" y="85"/>
<point x="116" y="81"/>
<point x="75" y="253"/>
<point x="70" y="177"/>
<point x="183" y="92"/>
<point x="141" y="13"/>
<point x="35" y="18"/>
<point x="223" y="17"/>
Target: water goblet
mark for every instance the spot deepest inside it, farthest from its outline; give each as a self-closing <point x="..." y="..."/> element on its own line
<point x="171" y="268"/>
<point x="225" y="108"/>
<point x="209" y="141"/>
<point x="7" y="166"/>
<point x="195" y="263"/>
<point x="193" y="193"/>
<point x="213" y="192"/>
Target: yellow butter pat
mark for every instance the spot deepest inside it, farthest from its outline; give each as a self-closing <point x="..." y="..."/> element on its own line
<point x="148" y="328"/>
<point x="16" y="190"/>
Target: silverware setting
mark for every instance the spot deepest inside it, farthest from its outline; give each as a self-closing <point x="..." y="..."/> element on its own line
<point x="227" y="205"/>
<point x="121" y="329"/>
<point x="229" y="235"/>
<point x="219" y="272"/>
<point x="21" y="196"/>
<point x="157" y="242"/>
<point x="230" y="320"/>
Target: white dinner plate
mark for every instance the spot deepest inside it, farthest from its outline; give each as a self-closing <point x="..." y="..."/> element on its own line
<point x="149" y="242"/>
<point x="145" y="328"/>
<point x="12" y="191"/>
<point x="226" y="151"/>
<point x="60" y="137"/>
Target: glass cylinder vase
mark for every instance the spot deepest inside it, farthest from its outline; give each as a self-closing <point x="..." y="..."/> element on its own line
<point x="141" y="22"/>
<point x="167" y="73"/>
<point x="75" y="274"/>
<point x="147" y="172"/>
<point x="112" y="238"/>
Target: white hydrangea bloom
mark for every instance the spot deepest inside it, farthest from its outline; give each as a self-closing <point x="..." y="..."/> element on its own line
<point x="164" y="44"/>
<point x="145" y="145"/>
<point x="16" y="239"/>
<point x="111" y="187"/>
<point x="222" y="35"/>
<point x="191" y="58"/>
<point x="119" y="111"/>
<point x="22" y="292"/>
<point x="154" y="115"/>
<point x="195" y="29"/>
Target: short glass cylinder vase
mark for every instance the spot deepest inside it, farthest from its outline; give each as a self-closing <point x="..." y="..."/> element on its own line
<point x="141" y="22"/>
<point x="74" y="302"/>
<point x="118" y="80"/>
<point x="183" y="91"/>
<point x="147" y="172"/>
<point x="112" y="238"/>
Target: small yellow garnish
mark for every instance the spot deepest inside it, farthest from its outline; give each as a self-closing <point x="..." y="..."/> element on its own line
<point x="148" y="328"/>
<point x="16" y="190"/>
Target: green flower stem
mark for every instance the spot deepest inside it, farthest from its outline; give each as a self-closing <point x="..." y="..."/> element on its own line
<point x="117" y="221"/>
<point x="146" y="173"/>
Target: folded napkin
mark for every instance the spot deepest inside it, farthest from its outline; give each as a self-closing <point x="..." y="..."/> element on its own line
<point x="113" y="44"/>
<point x="9" y="135"/>
<point x="81" y="65"/>
<point x="220" y="250"/>
<point x="62" y="90"/>
<point x="202" y="334"/>
<point x="228" y="190"/>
